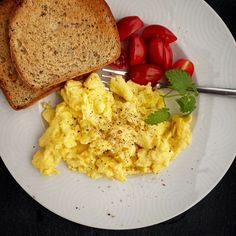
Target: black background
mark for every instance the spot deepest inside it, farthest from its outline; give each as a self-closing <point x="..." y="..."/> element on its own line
<point x="214" y="215"/>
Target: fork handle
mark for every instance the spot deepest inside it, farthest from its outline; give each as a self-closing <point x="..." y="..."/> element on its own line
<point x="220" y="91"/>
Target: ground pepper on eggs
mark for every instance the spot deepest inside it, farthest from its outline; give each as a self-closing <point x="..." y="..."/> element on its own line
<point x="102" y="133"/>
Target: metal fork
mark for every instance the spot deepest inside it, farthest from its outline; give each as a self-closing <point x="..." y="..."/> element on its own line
<point x="201" y="89"/>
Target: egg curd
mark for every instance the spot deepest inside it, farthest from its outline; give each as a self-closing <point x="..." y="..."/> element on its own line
<point x="102" y="133"/>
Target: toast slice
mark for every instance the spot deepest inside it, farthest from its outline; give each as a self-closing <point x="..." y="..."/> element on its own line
<point x="52" y="41"/>
<point x="18" y="94"/>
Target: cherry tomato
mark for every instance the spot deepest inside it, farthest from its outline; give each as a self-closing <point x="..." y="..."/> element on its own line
<point x="144" y="73"/>
<point x="185" y="65"/>
<point x="128" y="25"/>
<point x="167" y="57"/>
<point x="159" y="31"/>
<point x="156" y="51"/>
<point x="122" y="61"/>
<point x="160" y="53"/>
<point x="137" y="49"/>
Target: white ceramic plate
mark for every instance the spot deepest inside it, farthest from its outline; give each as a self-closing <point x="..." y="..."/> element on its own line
<point x="150" y="199"/>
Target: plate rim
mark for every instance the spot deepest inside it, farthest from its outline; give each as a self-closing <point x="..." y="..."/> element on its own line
<point x="190" y="205"/>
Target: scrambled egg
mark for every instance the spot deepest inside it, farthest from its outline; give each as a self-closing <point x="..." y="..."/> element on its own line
<point x="102" y="133"/>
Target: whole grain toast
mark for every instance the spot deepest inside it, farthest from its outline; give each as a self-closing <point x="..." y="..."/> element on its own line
<point x="18" y="94"/>
<point x="52" y="41"/>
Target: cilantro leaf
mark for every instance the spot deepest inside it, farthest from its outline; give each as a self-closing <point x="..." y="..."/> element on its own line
<point x="158" y="116"/>
<point x="187" y="103"/>
<point x="181" y="81"/>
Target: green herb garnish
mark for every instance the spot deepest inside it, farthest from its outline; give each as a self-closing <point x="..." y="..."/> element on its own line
<point x="185" y="91"/>
<point x="181" y="81"/>
<point x="187" y="103"/>
<point x="158" y="116"/>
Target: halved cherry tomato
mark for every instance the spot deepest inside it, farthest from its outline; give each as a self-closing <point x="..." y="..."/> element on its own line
<point x="167" y="57"/>
<point x="159" y="31"/>
<point x="184" y="64"/>
<point x="122" y="61"/>
<point x="160" y="53"/>
<point x="156" y="51"/>
<point x="128" y="25"/>
<point x="137" y="49"/>
<point x="144" y="73"/>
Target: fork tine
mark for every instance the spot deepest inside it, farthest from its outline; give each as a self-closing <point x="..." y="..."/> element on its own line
<point x="113" y="72"/>
<point x="107" y="76"/>
<point x="116" y="72"/>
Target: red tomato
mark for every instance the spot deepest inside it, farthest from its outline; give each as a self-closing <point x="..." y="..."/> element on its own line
<point x="144" y="73"/>
<point x="159" y="31"/>
<point x="128" y="25"/>
<point x="167" y="57"/>
<point x="137" y="50"/>
<point x="184" y="64"/>
<point x="160" y="53"/>
<point x="122" y="61"/>
<point x="156" y="51"/>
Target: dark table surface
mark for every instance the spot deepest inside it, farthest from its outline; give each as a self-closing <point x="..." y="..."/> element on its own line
<point x="214" y="215"/>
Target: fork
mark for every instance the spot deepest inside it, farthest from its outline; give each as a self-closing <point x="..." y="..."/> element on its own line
<point x="201" y="89"/>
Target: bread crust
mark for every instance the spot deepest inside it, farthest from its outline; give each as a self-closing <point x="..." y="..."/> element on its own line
<point x="35" y="97"/>
<point x="50" y="78"/>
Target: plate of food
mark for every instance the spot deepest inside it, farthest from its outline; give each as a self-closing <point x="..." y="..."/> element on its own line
<point x="108" y="151"/>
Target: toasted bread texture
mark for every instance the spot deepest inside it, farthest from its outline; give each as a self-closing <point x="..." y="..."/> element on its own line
<point x="18" y="94"/>
<point x="56" y="40"/>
